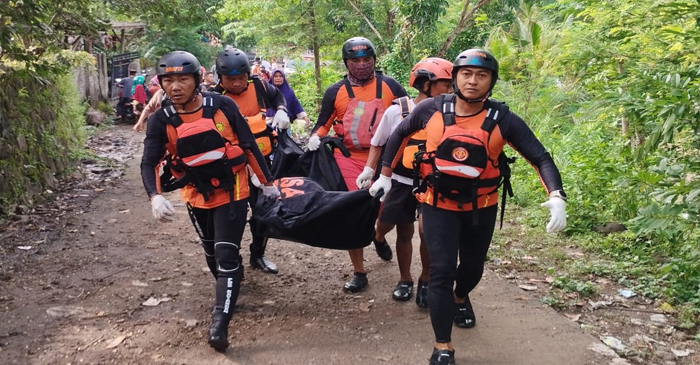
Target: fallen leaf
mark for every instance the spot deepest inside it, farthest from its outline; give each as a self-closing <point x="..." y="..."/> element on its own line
<point x="152" y="302"/>
<point x="191" y="323"/>
<point x="549" y="279"/>
<point x="64" y="311"/>
<point x="667" y="308"/>
<point x="572" y="316"/>
<point x="682" y="353"/>
<point x="124" y="211"/>
<point x="156" y="279"/>
<point x="39" y="242"/>
<point x="115" y="342"/>
<point x="184" y="283"/>
<point x="364" y="307"/>
<point x="99" y="190"/>
<point x="138" y="283"/>
<point x="527" y="287"/>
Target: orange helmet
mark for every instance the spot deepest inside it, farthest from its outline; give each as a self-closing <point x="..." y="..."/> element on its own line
<point x="433" y="68"/>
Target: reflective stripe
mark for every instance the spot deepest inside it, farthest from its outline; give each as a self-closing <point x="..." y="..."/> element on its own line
<point x="237" y="186"/>
<point x="462" y="169"/>
<point x="356" y="124"/>
<point x="211" y="155"/>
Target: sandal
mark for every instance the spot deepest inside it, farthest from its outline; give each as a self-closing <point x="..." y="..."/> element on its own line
<point x="403" y="291"/>
<point x="464" y="315"/>
<point x="422" y="294"/>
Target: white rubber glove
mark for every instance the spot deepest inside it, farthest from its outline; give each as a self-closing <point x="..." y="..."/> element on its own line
<point x="255" y="181"/>
<point x="314" y="143"/>
<point x="281" y="120"/>
<point x="270" y="191"/>
<point x="162" y="209"/>
<point x="365" y="178"/>
<point x="557" y="208"/>
<point x="383" y="183"/>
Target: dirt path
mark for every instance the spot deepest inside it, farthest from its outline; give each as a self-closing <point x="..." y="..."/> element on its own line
<point x="101" y="254"/>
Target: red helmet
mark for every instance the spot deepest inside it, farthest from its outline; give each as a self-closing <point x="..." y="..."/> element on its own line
<point x="432" y="68"/>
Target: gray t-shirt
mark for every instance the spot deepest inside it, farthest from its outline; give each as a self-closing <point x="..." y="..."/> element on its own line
<point x="128" y="84"/>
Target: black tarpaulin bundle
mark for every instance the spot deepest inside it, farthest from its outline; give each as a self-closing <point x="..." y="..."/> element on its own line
<point x="290" y="160"/>
<point x="308" y="214"/>
<point x="284" y="161"/>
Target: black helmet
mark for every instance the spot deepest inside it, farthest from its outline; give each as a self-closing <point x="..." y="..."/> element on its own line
<point x="476" y="58"/>
<point x="178" y="63"/>
<point x="232" y="61"/>
<point x="357" y="47"/>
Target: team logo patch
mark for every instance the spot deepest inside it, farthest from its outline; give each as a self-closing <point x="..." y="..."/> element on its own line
<point x="460" y="154"/>
<point x="219" y="127"/>
<point x="261" y="146"/>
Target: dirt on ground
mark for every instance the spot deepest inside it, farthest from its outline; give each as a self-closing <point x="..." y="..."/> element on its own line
<point x="89" y="277"/>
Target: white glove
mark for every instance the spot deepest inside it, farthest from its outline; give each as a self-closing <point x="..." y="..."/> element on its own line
<point x="383" y="183"/>
<point x="281" y="120"/>
<point x="314" y="143"/>
<point x="365" y="178"/>
<point x="270" y="191"/>
<point x="557" y="207"/>
<point x="255" y="181"/>
<point x="162" y="209"/>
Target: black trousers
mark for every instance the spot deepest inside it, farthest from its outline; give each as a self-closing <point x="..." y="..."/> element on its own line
<point x="449" y="235"/>
<point x="259" y="243"/>
<point x="221" y="240"/>
<point x="121" y="106"/>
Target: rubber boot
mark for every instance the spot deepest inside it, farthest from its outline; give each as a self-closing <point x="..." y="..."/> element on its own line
<point x="218" y="332"/>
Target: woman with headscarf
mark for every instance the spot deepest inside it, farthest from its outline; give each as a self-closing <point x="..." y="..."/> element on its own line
<point x="293" y="105"/>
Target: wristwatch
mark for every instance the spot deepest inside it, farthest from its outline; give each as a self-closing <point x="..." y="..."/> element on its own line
<point x="558" y="194"/>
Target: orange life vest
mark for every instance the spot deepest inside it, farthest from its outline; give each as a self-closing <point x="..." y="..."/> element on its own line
<point x="204" y="159"/>
<point x="265" y="137"/>
<point x="415" y="144"/>
<point x="357" y="126"/>
<point x="461" y="168"/>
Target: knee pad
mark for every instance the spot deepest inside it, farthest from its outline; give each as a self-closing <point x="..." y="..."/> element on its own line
<point x="227" y="258"/>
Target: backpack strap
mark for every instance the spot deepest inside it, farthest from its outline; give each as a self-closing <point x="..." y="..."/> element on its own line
<point x="260" y="93"/>
<point x="378" y="76"/>
<point x="348" y="87"/>
<point x="494" y="113"/>
<point x="171" y="116"/>
<point x="403" y="103"/>
<point x="447" y="107"/>
<point x="210" y="104"/>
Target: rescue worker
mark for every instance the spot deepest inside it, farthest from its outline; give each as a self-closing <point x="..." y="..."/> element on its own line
<point x="431" y="77"/>
<point x="185" y="133"/>
<point x="353" y="107"/>
<point x="253" y="97"/>
<point x="462" y="170"/>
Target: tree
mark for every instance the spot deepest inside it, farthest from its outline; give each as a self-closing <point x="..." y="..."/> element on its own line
<point x="32" y="28"/>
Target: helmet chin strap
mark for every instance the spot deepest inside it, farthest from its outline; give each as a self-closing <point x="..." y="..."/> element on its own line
<point x="472" y="101"/>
